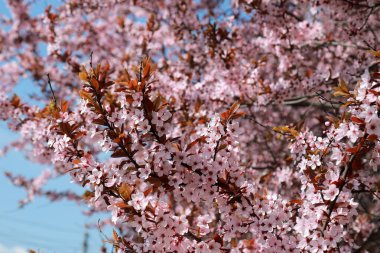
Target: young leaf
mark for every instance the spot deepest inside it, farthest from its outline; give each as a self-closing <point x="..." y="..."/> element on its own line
<point x="95" y="83"/>
<point x="125" y="191"/>
<point x="342" y="89"/>
<point x="375" y="53"/>
<point x="83" y="75"/>
<point x="118" y="153"/>
<point x="115" y="235"/>
<point x="64" y="105"/>
<point x="357" y="120"/>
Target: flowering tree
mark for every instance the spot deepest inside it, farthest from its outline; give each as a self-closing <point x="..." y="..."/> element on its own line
<point x="253" y="127"/>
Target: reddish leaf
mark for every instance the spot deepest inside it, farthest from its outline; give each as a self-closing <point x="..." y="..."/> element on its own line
<point x="377" y="93"/>
<point x="87" y="195"/>
<point x="121" y="204"/>
<point x="15" y="101"/>
<point x="356" y="164"/>
<point x="224" y="116"/>
<point x="100" y="121"/>
<point x="221" y="147"/>
<point x="95" y="83"/>
<point x="296" y="201"/>
<point x="148" y="105"/>
<point x="85" y="95"/>
<point x="65" y="128"/>
<point x="118" y="153"/>
<point x="342" y="89"/>
<point x="374" y="53"/>
<point x="357" y="120"/>
<point x="372" y="137"/>
<point x="353" y="150"/>
<point x="115" y="235"/>
<point x="83" y="75"/>
<point x="125" y="190"/>
<point x="218" y="239"/>
<point x="234" y="107"/>
<point x="78" y="135"/>
<point x="237" y="115"/>
<point x="133" y="84"/>
<point x="146" y="71"/>
<point x="193" y="143"/>
<point x="198" y="104"/>
<point x="64" y="105"/>
<point x="147" y="192"/>
<point x="157" y="102"/>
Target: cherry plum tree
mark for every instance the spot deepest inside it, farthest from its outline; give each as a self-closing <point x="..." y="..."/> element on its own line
<point x="204" y="126"/>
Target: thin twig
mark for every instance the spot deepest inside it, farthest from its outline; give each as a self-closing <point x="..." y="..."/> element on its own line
<point x="51" y="89"/>
<point x="140" y="72"/>
<point x="92" y="52"/>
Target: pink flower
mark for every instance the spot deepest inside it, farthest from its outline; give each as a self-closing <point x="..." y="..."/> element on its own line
<point x="303" y="164"/>
<point x="144" y="172"/>
<point x="95" y="176"/>
<point x="138" y="201"/>
<point x="181" y="224"/>
<point x="341" y="131"/>
<point x="137" y="99"/>
<point x="331" y="192"/>
<point x="354" y="132"/>
<point x="214" y="247"/>
<point x="160" y="117"/>
<point x="368" y="112"/>
<point x="373" y="127"/>
<point x="337" y="155"/>
<point x="143" y="126"/>
<point x="315" y="161"/>
<point x="60" y="143"/>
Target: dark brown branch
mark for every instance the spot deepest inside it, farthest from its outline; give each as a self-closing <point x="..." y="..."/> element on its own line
<point x="91" y="58"/>
<point x="51" y="89"/>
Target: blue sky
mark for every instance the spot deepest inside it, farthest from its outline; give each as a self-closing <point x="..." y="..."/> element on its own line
<point x="48" y="227"/>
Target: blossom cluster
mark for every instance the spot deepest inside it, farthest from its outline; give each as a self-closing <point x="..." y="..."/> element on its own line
<point x="178" y="190"/>
<point x="254" y="127"/>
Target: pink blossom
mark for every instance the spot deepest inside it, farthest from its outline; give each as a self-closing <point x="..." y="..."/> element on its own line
<point x="95" y="176"/>
<point x="353" y="132"/>
<point x="331" y="192"/>
<point x="314" y="161"/>
<point x="253" y="128"/>
<point x="373" y="127"/>
<point x="139" y="201"/>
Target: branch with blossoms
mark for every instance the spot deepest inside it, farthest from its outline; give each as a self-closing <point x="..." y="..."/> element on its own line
<point x="183" y="153"/>
<point x="315" y="157"/>
<point x="142" y="127"/>
<point x="34" y="188"/>
<point x="139" y="200"/>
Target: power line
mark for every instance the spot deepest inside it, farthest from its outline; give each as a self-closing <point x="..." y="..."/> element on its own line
<point x="35" y="238"/>
<point x="41" y="225"/>
<point x="18" y="239"/>
<point x="25" y="234"/>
